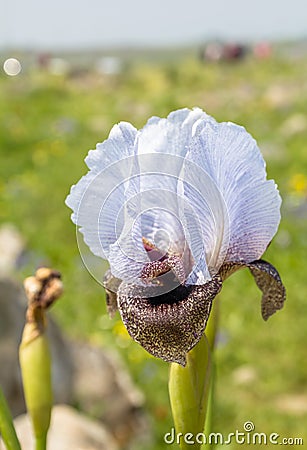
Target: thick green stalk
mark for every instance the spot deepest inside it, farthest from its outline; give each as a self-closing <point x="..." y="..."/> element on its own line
<point x="7" y="430"/>
<point x="190" y="389"/>
<point x="41" y="442"/>
<point x="35" y="363"/>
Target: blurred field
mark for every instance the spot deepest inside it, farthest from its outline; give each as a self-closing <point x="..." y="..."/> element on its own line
<point x="47" y="125"/>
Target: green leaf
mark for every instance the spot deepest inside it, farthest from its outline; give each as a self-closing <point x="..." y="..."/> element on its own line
<point x="7" y="429"/>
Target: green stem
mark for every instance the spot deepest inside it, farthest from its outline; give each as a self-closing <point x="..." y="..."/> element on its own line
<point x="7" y="428"/>
<point x="41" y="442"/>
<point x="191" y="389"/>
<point x="188" y="389"/>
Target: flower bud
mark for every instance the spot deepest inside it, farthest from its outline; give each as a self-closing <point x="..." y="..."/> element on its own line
<point x="34" y="353"/>
<point x="35" y="363"/>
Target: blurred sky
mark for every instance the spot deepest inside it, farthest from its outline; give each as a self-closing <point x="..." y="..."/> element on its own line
<point x="97" y="23"/>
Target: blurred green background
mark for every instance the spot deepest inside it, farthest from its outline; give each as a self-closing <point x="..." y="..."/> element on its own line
<point x="48" y="122"/>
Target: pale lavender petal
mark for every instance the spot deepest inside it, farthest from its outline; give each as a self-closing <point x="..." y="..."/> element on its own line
<point x="207" y="227"/>
<point x="231" y="157"/>
<point x="119" y="145"/>
<point x="98" y="197"/>
<point x="171" y="135"/>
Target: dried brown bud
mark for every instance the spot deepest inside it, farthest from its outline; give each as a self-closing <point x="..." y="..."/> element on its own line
<point x="44" y="273"/>
<point x="43" y="289"/>
<point x="52" y="291"/>
<point x="33" y="288"/>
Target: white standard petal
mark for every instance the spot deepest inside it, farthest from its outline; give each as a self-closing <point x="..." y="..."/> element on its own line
<point x="232" y="158"/>
<point x="98" y="197"/>
<point x="205" y="222"/>
<point x="171" y="135"/>
<point x="119" y="145"/>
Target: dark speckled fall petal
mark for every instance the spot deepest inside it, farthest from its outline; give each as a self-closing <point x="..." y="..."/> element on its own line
<point x="268" y="281"/>
<point x="168" y="325"/>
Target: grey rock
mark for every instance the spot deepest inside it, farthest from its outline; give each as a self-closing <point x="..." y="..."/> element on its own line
<point x="69" y="430"/>
<point x="103" y="388"/>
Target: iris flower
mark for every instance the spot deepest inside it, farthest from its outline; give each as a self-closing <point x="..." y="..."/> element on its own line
<point x="176" y="208"/>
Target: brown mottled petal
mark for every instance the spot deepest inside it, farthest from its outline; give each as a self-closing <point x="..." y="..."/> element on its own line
<point x="229" y="268"/>
<point x="269" y="282"/>
<point x="111" y="285"/>
<point x="267" y="279"/>
<point x="170" y="324"/>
